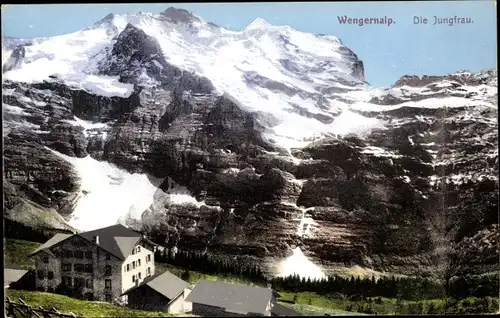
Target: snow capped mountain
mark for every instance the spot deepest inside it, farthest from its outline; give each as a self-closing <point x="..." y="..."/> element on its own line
<point x="291" y="76"/>
<point x="265" y="144"/>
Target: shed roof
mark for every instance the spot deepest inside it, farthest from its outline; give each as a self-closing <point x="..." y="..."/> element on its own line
<point x="167" y="284"/>
<point x="232" y="297"/>
<point x="12" y="275"/>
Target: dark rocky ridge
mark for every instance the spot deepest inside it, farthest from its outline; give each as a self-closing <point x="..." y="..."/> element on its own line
<point x="385" y="202"/>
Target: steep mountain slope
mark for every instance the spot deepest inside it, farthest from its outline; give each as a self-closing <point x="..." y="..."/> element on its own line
<point x="265" y="144"/>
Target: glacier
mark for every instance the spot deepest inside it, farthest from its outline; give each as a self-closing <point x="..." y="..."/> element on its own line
<point x="246" y="64"/>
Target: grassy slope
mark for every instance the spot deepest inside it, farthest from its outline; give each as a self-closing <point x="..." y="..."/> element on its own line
<point x="78" y="307"/>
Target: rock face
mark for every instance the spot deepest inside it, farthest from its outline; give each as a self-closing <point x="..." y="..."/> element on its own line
<point x="418" y="196"/>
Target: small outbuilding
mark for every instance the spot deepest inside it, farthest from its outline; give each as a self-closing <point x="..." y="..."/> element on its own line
<point x="164" y="292"/>
<point x="218" y="299"/>
<point x="17" y="278"/>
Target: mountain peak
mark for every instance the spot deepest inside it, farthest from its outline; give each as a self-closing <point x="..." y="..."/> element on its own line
<point x="177" y="15"/>
<point x="108" y="18"/>
<point x="258" y="23"/>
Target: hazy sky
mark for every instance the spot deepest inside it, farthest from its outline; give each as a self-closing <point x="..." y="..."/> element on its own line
<point x="388" y="52"/>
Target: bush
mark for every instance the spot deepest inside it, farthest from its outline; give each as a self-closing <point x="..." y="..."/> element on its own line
<point x="186" y="275"/>
<point x="336" y="296"/>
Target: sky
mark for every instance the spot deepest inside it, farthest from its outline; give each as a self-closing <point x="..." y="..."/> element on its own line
<point x="388" y="52"/>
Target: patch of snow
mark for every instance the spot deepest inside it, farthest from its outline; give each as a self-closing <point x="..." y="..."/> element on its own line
<point x="406" y="179"/>
<point x="352" y="123"/>
<point x="179" y="195"/>
<point x="299" y="182"/>
<point x="13" y="109"/>
<point x="300" y="265"/>
<point x="411" y="141"/>
<point x="87" y="125"/>
<point x="431" y="103"/>
<point x="429" y="144"/>
<point x="231" y="171"/>
<point x="111" y="193"/>
<point x="155" y="62"/>
<point x="379" y="152"/>
<point x="103" y="85"/>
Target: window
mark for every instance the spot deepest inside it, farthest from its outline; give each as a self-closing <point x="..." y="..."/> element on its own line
<point x="79" y="282"/>
<point x="67" y="253"/>
<point x="139" y="262"/>
<point x="108" y="297"/>
<point x="148" y="271"/>
<point x="89" y="283"/>
<point x="79" y="268"/>
<point x="148" y="258"/>
<point x="50" y="275"/>
<point x="89" y="268"/>
<point x="78" y="254"/>
<point x="139" y="275"/>
<point x="133" y="251"/>
<point x="89" y="296"/>
<point x="107" y="283"/>
<point x="133" y="264"/>
<point x="66" y="280"/>
<point x="108" y="256"/>
<point x="41" y="274"/>
<point x="66" y="267"/>
<point x="133" y="278"/>
<point x="88" y="255"/>
<point x="46" y="259"/>
<point x="107" y="271"/>
<point x="128" y="267"/>
<point x="138" y="249"/>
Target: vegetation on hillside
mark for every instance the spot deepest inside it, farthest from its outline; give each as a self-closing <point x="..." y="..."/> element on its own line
<point x="307" y="302"/>
<point x="83" y="308"/>
<point x="195" y="261"/>
<point x="16" y="230"/>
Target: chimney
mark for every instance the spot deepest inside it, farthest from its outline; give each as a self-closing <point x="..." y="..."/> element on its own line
<point x="95" y="239"/>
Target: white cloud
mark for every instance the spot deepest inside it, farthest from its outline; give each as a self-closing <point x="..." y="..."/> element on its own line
<point x="30" y="26"/>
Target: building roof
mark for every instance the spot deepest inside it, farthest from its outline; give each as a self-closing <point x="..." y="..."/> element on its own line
<point x="116" y="239"/>
<point x="232" y="297"/>
<point x="11" y="275"/>
<point x="280" y="310"/>
<point x="56" y="239"/>
<point x="167" y="284"/>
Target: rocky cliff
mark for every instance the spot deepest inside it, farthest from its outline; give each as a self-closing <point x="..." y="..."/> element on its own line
<point x="413" y="189"/>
